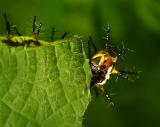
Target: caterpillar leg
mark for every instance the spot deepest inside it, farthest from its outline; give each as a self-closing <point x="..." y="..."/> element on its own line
<point x="108" y="98"/>
<point x="101" y="87"/>
<point x="90" y="43"/>
<point x="34" y="24"/>
<point x="39" y="28"/>
<point x="17" y="31"/>
<point x="8" y="26"/>
<point x="90" y="46"/>
<point x="107" y="38"/>
<point x="128" y="74"/>
<point x="35" y="34"/>
<point x="64" y="35"/>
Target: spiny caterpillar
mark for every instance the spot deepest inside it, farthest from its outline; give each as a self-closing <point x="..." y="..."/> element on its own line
<point x="103" y="65"/>
<point x="20" y="40"/>
<point x="102" y="62"/>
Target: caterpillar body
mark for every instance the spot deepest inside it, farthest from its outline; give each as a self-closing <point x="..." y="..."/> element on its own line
<point x="20" y="40"/>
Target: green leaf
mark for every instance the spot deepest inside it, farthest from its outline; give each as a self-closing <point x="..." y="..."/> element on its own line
<point x="45" y="86"/>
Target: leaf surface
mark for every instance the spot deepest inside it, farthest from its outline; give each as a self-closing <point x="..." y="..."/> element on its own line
<point x="45" y="86"/>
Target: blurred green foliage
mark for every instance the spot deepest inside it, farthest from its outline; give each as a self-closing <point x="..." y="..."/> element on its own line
<point x="136" y="22"/>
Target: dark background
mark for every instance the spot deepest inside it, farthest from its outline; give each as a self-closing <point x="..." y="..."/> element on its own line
<point x="135" y="22"/>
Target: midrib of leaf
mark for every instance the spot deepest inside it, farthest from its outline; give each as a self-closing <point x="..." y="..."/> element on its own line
<point x="46" y="86"/>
